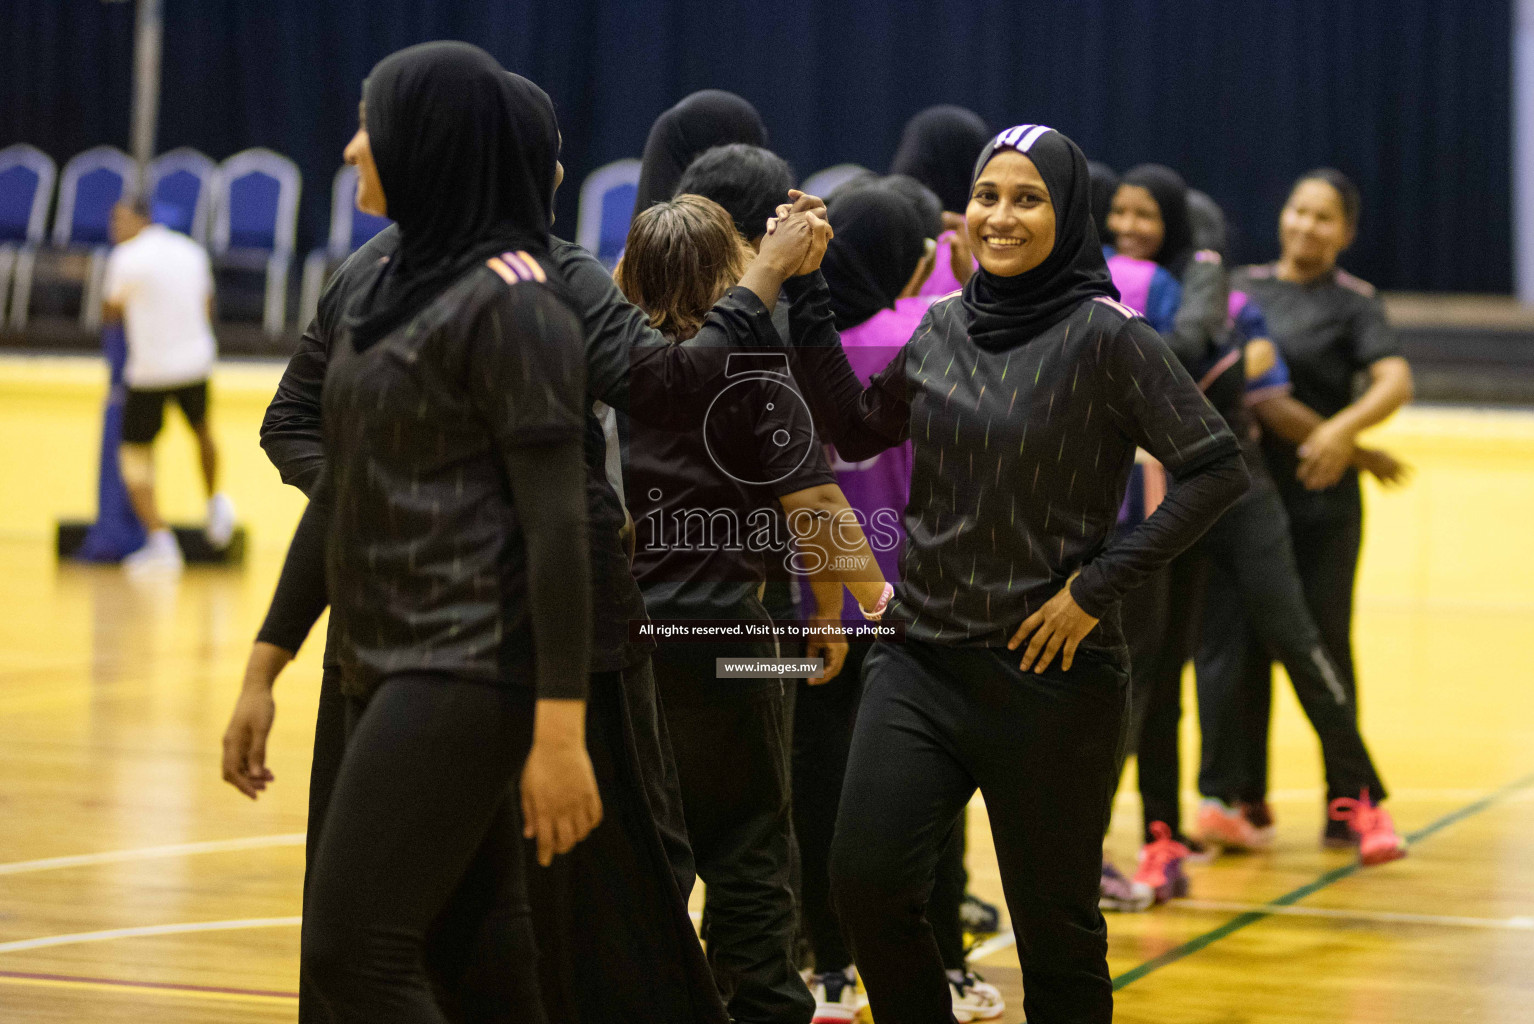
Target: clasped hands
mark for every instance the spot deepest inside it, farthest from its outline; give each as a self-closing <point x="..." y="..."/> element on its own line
<point x="797" y="234"/>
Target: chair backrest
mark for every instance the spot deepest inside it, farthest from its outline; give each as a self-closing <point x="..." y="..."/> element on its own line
<point x="180" y="185"/>
<point x="26" y="187"/>
<point x="607" y="206"/>
<point x="350" y="228"/>
<point x="257" y="204"/>
<point x="823" y="183"/>
<point x="91" y="184"/>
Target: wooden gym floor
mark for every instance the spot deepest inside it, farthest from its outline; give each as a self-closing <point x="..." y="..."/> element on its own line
<point x="136" y="886"/>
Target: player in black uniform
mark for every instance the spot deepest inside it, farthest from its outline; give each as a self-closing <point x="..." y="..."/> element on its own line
<point x="1024" y="399"/>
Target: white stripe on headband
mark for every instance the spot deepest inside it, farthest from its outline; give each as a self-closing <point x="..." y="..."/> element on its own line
<point x="1021" y="137"/>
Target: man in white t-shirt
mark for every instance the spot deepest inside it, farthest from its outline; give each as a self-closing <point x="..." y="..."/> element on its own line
<point x="160" y="284"/>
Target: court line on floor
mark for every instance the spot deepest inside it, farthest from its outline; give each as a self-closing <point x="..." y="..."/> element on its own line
<point x="21" y="867"/>
<point x="1266" y="910"/>
<point x="138" y="931"/>
<point x="1376" y="916"/>
<point x="242" y="995"/>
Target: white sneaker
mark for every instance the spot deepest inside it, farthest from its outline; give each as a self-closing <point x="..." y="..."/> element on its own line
<point x="159" y="555"/>
<point x="836" y="997"/>
<point x="973" y="999"/>
<point x="220" y="528"/>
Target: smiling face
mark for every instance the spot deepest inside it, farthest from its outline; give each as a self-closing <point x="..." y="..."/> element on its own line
<point x="359" y="153"/>
<point x="1313" y="229"/>
<point x="1010" y="217"/>
<point x="1135" y="220"/>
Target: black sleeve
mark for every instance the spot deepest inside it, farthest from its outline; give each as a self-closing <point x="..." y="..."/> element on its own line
<point x="1371" y="334"/>
<point x="787" y="450"/>
<point x="672" y="385"/>
<point x="861" y="422"/>
<point x="614" y="325"/>
<point x="290" y="431"/>
<point x="301" y="595"/>
<point x="526" y="375"/>
<point x="1199" y="323"/>
<point x="1159" y="407"/>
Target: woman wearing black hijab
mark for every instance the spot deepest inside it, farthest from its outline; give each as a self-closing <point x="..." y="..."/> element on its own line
<point x="453" y="412"/>
<point x="1024" y="400"/>
<point x="938" y="149"/>
<point x="708" y="118"/>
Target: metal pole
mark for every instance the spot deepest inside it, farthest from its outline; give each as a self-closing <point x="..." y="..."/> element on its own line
<point x="1523" y="150"/>
<point x="146" y="79"/>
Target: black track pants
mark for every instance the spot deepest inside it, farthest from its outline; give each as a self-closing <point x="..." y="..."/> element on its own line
<point x="935" y="724"/>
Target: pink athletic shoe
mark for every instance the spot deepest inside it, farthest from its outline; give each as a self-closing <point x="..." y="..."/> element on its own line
<point x="1220" y="824"/>
<point x="1378" y="841"/>
<point x="1161" y="865"/>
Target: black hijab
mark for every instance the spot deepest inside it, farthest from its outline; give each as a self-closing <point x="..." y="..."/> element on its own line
<point x="1171" y="194"/>
<point x="700" y="122"/>
<point x="938" y="149"/>
<point x="1008" y="311"/>
<point x="466" y="153"/>
<point x="877" y="245"/>
<point x="1105" y="182"/>
<point x="1208" y="223"/>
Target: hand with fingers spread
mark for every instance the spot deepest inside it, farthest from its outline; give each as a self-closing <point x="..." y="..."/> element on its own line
<point x="1057" y="628"/>
<point x="560" y="802"/>
<point x="244" y="764"/>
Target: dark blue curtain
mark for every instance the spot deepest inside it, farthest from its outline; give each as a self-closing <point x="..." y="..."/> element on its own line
<point x="1411" y="97"/>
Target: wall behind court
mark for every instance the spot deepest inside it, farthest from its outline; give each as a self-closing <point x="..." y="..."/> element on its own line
<point x="1411" y="97"/>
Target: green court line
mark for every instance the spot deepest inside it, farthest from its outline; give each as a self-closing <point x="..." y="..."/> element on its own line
<point x="1251" y="917"/>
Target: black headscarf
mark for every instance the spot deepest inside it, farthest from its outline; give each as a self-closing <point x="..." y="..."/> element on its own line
<point x="1105" y="182"/>
<point x="877" y="245"/>
<point x="466" y="154"/>
<point x="1171" y="194"/>
<point x="1208" y="223"/>
<point x="938" y="149"/>
<point x="927" y="204"/>
<point x="1009" y="311"/>
<point x="700" y="122"/>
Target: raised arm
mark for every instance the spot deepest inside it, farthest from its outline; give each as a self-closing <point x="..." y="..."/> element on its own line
<point x="861" y="422"/>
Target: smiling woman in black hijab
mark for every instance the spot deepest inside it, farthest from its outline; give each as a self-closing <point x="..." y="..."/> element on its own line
<point x="1024" y="400"/>
<point x="453" y="412"/>
<point x="703" y="120"/>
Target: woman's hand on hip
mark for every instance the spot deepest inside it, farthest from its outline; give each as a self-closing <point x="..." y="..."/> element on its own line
<point x="1060" y="624"/>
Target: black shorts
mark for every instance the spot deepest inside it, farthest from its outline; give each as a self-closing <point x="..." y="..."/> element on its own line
<point x="144" y="412"/>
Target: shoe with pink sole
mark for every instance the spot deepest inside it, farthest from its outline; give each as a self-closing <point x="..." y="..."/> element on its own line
<point x="1378" y="840"/>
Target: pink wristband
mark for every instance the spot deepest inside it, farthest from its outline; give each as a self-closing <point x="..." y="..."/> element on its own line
<point x="877" y="611"/>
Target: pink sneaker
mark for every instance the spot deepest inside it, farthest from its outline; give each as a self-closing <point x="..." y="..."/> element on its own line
<point x="1378" y="841"/>
<point x="1161" y="865"/>
<point x="1220" y="824"/>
